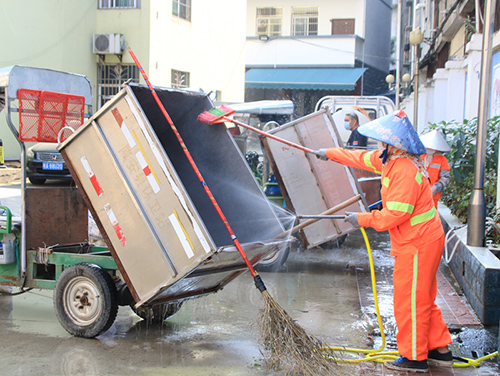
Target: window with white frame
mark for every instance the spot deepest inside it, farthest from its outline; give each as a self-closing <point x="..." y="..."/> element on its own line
<point x="304" y="21"/>
<point x="182" y="9"/>
<point x="269" y="21"/>
<point x="119" y="4"/>
<point x="110" y="79"/>
<point x="179" y="79"/>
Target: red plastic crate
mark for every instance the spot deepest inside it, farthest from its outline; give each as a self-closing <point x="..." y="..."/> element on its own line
<point x="42" y="114"/>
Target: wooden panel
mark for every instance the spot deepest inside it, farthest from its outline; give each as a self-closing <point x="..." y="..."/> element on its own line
<point x="312" y="185"/>
<point x="55" y="215"/>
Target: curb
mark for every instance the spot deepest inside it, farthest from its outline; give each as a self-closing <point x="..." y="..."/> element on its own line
<point x="476" y="269"/>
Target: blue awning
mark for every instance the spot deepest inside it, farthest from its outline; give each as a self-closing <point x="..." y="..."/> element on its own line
<point x="303" y="78"/>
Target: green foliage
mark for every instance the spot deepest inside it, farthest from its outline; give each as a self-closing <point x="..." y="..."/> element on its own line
<point x="470" y="27"/>
<point x="461" y="137"/>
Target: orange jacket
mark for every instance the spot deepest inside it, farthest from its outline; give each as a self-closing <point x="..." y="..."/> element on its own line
<point x="408" y="208"/>
<point x="438" y="164"/>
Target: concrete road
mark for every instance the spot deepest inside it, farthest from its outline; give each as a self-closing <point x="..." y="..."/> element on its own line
<point x="212" y="335"/>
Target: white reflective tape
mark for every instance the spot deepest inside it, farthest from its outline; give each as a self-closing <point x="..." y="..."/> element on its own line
<point x="128" y="135"/>
<point x="147" y="171"/>
<point x="180" y="234"/>
<point x="123" y="127"/>
<point x="115" y="224"/>
<point x="91" y="175"/>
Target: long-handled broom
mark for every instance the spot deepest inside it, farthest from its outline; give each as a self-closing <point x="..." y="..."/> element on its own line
<point x="287" y="342"/>
<point x="224" y="114"/>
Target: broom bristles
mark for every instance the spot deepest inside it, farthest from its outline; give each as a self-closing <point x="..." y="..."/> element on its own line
<point x="284" y="343"/>
<point x="216" y="115"/>
<point x="206" y="117"/>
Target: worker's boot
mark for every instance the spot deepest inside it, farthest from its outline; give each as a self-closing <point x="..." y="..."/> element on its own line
<point x="404" y="364"/>
<point x="442" y="359"/>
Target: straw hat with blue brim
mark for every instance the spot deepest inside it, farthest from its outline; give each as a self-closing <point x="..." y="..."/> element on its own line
<point x="394" y="129"/>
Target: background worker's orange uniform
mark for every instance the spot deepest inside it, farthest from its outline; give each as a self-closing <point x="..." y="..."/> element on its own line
<point x="439" y="172"/>
<point x="417" y="241"/>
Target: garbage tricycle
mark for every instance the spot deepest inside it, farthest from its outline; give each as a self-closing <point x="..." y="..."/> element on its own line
<point x="165" y="241"/>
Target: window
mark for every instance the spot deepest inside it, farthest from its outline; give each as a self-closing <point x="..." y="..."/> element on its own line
<point x="110" y="79"/>
<point x="119" y="4"/>
<point x="304" y="20"/>
<point x="343" y="26"/>
<point x="269" y="21"/>
<point x="179" y="79"/>
<point x="182" y="9"/>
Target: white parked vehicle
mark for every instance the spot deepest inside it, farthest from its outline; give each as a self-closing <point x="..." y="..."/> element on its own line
<point x="374" y="106"/>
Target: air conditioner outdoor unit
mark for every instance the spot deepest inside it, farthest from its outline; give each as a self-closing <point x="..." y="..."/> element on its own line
<point x="108" y="43"/>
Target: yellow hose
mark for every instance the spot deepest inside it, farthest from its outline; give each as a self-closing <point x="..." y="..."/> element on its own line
<point x="378" y="355"/>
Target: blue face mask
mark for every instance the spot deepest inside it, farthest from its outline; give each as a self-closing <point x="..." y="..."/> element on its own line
<point x="347" y="126"/>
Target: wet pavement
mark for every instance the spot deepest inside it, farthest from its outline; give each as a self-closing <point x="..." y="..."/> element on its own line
<point x="326" y="290"/>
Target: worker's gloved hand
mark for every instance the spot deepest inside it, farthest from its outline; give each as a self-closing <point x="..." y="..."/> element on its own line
<point x="352" y="218"/>
<point x="320" y="154"/>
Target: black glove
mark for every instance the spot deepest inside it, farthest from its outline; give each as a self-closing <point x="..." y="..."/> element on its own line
<point x="320" y="154"/>
<point x="352" y="218"/>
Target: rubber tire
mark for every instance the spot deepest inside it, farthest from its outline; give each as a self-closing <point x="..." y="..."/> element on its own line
<point x="274" y="262"/>
<point x="36" y="181"/>
<point x="158" y="313"/>
<point x="99" y="285"/>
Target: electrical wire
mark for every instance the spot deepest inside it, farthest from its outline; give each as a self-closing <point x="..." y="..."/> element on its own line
<point x="379" y="355"/>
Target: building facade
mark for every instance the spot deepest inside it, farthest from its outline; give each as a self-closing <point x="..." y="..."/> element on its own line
<point x="180" y="43"/>
<point x="449" y="61"/>
<point x="303" y="51"/>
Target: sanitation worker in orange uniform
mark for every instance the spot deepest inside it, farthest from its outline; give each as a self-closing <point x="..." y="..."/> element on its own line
<point x="436" y="163"/>
<point x="417" y="237"/>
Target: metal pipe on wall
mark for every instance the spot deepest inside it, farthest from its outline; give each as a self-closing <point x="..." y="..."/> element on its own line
<point x="415" y="86"/>
<point x="477" y="205"/>
<point x="415" y="70"/>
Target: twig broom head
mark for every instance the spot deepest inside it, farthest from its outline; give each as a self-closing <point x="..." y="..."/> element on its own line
<point x="216" y="115"/>
<point x="285" y="344"/>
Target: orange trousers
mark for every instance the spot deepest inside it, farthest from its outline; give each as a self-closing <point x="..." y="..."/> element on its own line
<point x="421" y="327"/>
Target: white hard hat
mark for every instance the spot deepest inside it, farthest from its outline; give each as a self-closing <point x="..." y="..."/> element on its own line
<point x="435" y="140"/>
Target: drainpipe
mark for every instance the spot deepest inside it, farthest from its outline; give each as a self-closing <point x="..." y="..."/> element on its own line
<point x="477" y="205"/>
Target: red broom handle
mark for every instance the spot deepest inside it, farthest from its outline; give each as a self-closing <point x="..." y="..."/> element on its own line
<point x="279" y="139"/>
<point x="193" y="165"/>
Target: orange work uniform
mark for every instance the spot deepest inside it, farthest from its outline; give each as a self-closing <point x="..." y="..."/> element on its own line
<point x="438" y="163"/>
<point x="417" y="241"/>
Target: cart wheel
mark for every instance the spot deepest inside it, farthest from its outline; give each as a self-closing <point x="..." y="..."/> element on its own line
<point x="85" y="300"/>
<point x="157" y="313"/>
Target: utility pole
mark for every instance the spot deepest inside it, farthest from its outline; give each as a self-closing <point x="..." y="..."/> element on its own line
<point x="476" y="228"/>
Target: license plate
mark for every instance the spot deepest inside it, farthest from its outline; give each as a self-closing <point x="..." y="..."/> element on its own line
<point x="52" y="166"/>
